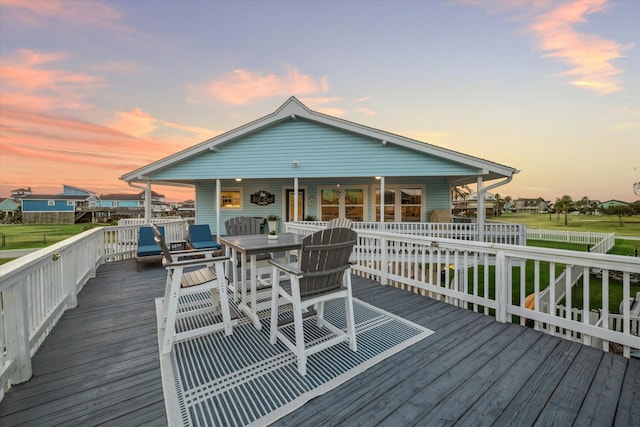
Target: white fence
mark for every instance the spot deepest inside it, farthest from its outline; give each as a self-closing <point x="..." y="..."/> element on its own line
<point x="492" y="279"/>
<point x="514" y="234"/>
<point x="36" y="289"/>
<point x="598" y="242"/>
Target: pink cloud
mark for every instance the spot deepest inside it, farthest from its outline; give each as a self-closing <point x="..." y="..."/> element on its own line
<point x="45" y="13"/>
<point x="30" y="83"/>
<point x="553" y="24"/>
<point x="241" y="87"/>
<point x="40" y="149"/>
<point x="591" y="57"/>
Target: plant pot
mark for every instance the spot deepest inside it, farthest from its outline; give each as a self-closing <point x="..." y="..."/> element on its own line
<point x="272" y="236"/>
<point x="273" y="225"/>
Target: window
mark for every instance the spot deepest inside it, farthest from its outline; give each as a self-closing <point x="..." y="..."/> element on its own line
<point x="51" y="202"/>
<point x="69" y="202"/>
<point x="337" y="202"/>
<point x="406" y="208"/>
<point x="231" y="199"/>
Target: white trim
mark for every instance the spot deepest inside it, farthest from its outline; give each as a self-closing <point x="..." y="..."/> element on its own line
<point x="229" y="189"/>
<point x="398" y="200"/>
<point x="294" y="108"/>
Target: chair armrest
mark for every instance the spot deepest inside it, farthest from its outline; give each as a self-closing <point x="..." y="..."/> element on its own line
<point x="196" y="262"/>
<point x="287" y="268"/>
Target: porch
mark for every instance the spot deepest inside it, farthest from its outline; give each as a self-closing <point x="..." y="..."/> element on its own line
<point x="100" y="364"/>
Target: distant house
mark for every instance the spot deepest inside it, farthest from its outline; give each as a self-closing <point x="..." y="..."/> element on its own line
<point x="129" y="204"/>
<point x="467" y="204"/>
<point x="524" y="205"/>
<point x="9" y="206"/>
<point x="611" y="203"/>
<point x="56" y="208"/>
<point x="19" y="193"/>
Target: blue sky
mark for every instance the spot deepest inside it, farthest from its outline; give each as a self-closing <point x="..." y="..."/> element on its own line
<point x="91" y="90"/>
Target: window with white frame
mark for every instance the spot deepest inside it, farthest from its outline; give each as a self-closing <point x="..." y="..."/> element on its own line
<point x="402" y="203"/>
<point x="342" y="202"/>
<point x="231" y="199"/>
<point x="51" y="202"/>
<point x="70" y="203"/>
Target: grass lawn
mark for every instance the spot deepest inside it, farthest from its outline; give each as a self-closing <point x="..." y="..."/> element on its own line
<point x="19" y="236"/>
<point x="597" y="223"/>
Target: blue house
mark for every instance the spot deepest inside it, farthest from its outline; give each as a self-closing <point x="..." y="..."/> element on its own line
<point x="296" y="162"/>
<point x="56" y="208"/>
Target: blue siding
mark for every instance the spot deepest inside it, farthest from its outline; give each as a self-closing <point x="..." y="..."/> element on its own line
<point x="43" y="206"/>
<point x="70" y="191"/>
<point x="436" y="196"/>
<point x="321" y="151"/>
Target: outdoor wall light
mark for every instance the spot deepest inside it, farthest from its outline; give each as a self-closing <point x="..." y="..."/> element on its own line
<point x="238" y="179"/>
<point x="295" y="163"/>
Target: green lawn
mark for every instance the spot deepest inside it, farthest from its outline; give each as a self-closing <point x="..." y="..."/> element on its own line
<point x="596" y="223"/>
<point x="19" y="236"/>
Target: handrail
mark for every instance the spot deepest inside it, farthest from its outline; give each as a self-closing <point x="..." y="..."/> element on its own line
<point x="36" y="289"/>
<point x="482" y="277"/>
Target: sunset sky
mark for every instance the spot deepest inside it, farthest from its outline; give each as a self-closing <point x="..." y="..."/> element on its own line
<point x="90" y="90"/>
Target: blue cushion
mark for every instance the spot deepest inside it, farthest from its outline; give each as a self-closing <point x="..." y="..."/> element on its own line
<point x="205" y="245"/>
<point x="149" y="250"/>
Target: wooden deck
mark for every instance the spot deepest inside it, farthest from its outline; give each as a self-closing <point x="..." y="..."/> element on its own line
<point x="100" y="366"/>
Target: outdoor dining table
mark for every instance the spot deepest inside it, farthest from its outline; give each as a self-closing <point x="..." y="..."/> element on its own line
<point x="250" y="246"/>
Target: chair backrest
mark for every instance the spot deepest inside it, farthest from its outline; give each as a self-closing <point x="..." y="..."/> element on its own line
<point x="199" y="233"/>
<point x="243" y="225"/>
<point x="146" y="236"/>
<point x="159" y="239"/>
<point x="339" y="223"/>
<point x="324" y="257"/>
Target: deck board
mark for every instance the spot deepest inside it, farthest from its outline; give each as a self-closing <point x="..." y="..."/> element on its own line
<point x="100" y="366"/>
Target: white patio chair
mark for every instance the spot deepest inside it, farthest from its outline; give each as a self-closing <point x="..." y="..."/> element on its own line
<point x="188" y="277"/>
<point x="321" y="274"/>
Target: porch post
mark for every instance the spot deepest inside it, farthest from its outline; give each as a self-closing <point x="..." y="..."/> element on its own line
<point x="481" y="210"/>
<point x="218" y="209"/>
<point x="295" y="199"/>
<point x="382" y="203"/>
<point x="147" y="203"/>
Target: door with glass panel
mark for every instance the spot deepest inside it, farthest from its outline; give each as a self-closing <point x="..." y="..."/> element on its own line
<point x="339" y="202"/>
<point x="291" y="205"/>
<point x="401" y="204"/>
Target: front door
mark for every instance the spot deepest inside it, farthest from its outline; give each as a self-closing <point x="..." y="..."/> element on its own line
<point x="290" y="205"/>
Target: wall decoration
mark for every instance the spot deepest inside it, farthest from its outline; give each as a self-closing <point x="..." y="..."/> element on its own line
<point x="311" y="201"/>
<point x="262" y="198"/>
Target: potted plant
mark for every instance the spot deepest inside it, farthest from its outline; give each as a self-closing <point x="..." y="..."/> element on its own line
<point x="272" y="220"/>
<point x="273" y="234"/>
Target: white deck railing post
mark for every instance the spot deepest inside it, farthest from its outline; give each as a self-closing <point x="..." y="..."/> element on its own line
<point x="384" y="261"/>
<point x="501" y="286"/>
<point x="16" y="322"/>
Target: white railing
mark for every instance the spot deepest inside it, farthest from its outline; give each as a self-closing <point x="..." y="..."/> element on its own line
<point x="141" y="221"/>
<point x="496" y="232"/>
<point x="36" y="289"/>
<point x="597" y="242"/>
<point x="487" y="277"/>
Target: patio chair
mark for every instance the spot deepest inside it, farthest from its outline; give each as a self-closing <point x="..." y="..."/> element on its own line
<point x="148" y="249"/>
<point x="200" y="237"/>
<point x="244" y="226"/>
<point x="321" y="274"/>
<point x="187" y="278"/>
<point x="339" y="223"/>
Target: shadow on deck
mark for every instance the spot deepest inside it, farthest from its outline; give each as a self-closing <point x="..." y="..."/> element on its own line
<point x="100" y="365"/>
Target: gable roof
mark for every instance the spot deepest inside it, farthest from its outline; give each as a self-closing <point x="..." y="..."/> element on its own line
<point x="292" y="109"/>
